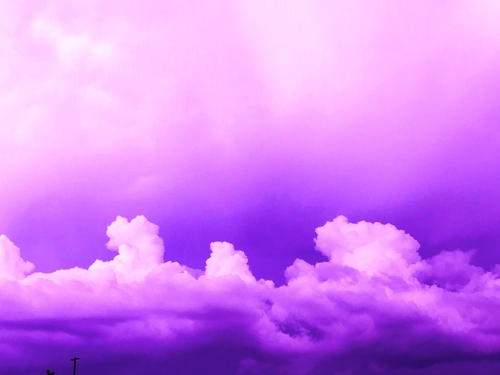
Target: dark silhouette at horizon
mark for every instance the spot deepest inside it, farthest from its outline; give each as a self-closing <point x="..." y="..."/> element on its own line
<point x="74" y="364"/>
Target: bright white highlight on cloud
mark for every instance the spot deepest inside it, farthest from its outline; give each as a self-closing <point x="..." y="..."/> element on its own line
<point x="12" y="266"/>
<point x="373" y="248"/>
<point x="375" y="294"/>
<point x="139" y="248"/>
<point x="226" y="261"/>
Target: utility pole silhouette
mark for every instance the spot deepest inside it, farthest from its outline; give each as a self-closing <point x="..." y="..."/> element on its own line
<point x="74" y="364"/>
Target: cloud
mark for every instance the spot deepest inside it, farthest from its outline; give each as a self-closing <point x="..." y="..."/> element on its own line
<point x="71" y="48"/>
<point x="226" y="261"/>
<point x="262" y="112"/>
<point x="12" y="266"/>
<point x="139" y="249"/>
<point x="365" y="94"/>
<point x="449" y="270"/>
<point x="369" y="247"/>
<point x="374" y="304"/>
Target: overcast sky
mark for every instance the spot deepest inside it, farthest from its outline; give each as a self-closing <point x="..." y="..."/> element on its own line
<point x="250" y="187"/>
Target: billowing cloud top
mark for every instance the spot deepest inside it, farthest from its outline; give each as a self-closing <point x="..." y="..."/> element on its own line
<point x="12" y="266"/>
<point x="375" y="305"/>
<point x="247" y="114"/>
<point x="249" y="121"/>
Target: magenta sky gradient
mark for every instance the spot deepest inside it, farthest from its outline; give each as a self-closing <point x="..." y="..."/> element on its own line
<point x="252" y="122"/>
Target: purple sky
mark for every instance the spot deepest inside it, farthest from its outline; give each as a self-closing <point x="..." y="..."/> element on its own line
<point x="293" y="187"/>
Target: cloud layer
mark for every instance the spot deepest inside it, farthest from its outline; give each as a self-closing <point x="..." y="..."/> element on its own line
<point x="247" y="113"/>
<point x="374" y="307"/>
<point x="249" y="121"/>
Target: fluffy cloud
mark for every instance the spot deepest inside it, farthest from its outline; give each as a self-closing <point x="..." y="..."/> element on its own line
<point x="226" y="261"/>
<point x="374" y="305"/>
<point x="369" y="247"/>
<point x="139" y="249"/>
<point x="12" y="266"/>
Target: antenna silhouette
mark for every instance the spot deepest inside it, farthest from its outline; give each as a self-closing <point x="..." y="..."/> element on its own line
<point x="74" y="364"/>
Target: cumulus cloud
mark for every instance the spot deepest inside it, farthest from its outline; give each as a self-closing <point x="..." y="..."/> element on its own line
<point x="449" y="270"/>
<point x="177" y="109"/>
<point x="226" y="261"/>
<point x="12" y="266"/>
<point x="375" y="304"/>
<point x="139" y="249"/>
<point x="369" y="247"/>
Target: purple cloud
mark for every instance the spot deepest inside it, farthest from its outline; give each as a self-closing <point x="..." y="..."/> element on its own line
<point x="249" y="122"/>
<point x="374" y="304"/>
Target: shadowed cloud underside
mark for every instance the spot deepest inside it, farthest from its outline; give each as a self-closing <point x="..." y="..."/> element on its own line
<point x="251" y="122"/>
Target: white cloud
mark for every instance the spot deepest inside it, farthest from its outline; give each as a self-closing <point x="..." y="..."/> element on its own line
<point x="12" y="266"/>
<point x="72" y="48"/>
<point x="225" y="261"/>
<point x="373" y="248"/>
